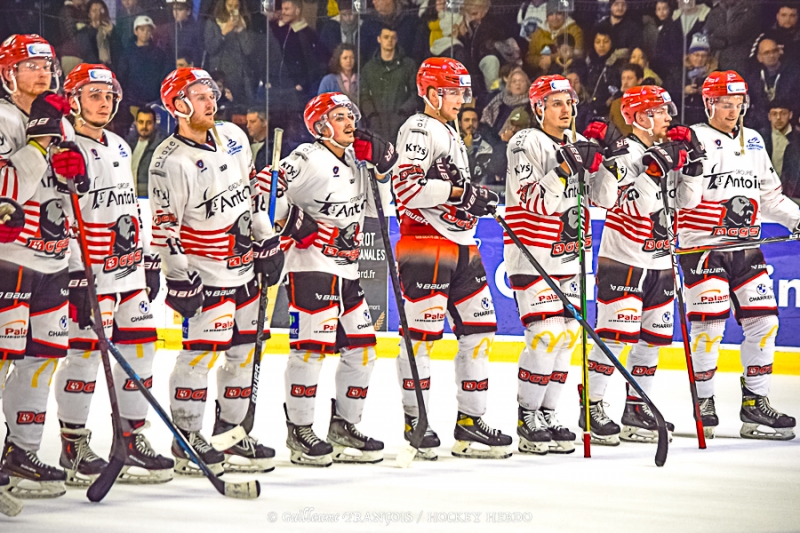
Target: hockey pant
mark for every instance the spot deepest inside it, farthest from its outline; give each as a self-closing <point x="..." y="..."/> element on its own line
<point x="713" y="280"/>
<point x="443" y="279"/>
<point x="328" y="314"/>
<point x="635" y="307"/>
<point x="128" y="322"/>
<point x="550" y="338"/>
<point x="226" y="324"/>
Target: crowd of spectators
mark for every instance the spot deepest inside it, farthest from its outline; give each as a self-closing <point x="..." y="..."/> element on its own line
<point x="371" y="49"/>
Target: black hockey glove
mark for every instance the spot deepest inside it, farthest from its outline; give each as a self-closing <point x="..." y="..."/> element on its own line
<point x="44" y="120"/>
<point x="581" y="154"/>
<point x="373" y="149"/>
<point x="659" y="159"/>
<point x="477" y="200"/>
<point x="608" y="136"/>
<point x="695" y="152"/>
<point x="300" y="227"/>
<point x="68" y="164"/>
<point x="268" y="258"/>
<point x="12" y="220"/>
<point x="185" y="295"/>
<point x="152" y="275"/>
<point x="444" y="169"/>
<point x="80" y="308"/>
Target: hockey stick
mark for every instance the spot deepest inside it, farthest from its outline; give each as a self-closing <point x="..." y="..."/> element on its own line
<point x="734" y="246"/>
<point x="232" y="437"/>
<point x="246" y="490"/>
<point x="687" y="349"/>
<point x="407" y="454"/>
<point x="663" y="444"/>
<point x="587" y="435"/>
<point x="9" y="505"/>
<point x="102" y="484"/>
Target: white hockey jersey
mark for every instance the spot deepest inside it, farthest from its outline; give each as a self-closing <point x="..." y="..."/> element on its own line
<point x="111" y="217"/>
<point x="25" y="177"/>
<point x="204" y="216"/>
<point x="738" y="188"/>
<point x="635" y="232"/>
<point x="337" y="194"/>
<point x="423" y="206"/>
<point x="541" y="211"/>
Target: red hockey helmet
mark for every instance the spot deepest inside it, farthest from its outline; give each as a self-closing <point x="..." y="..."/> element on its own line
<point x="443" y="73"/>
<point x="175" y="84"/>
<point x="316" y="113"/>
<point x="544" y="86"/>
<point x="85" y="74"/>
<point x="644" y="98"/>
<point x="724" y="83"/>
<point x="20" y="47"/>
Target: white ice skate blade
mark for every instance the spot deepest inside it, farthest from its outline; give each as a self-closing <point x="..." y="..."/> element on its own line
<point x="301" y="459"/>
<point x="562" y="446"/>
<point x="608" y="440"/>
<point x="530" y="447"/>
<point x="641" y="435"/>
<point x="343" y="454"/>
<point x="26" y="489"/>
<point x="237" y="463"/>
<point x="475" y="450"/>
<point x="9" y="505"/>
<point x="77" y="480"/>
<point x="136" y="475"/>
<point x="229" y="439"/>
<point x="185" y="467"/>
<point x="762" y="432"/>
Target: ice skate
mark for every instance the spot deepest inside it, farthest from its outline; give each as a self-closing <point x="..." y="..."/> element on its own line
<point x="9" y="505"/>
<point x="761" y="421"/>
<point x="708" y="415"/>
<point x="211" y="457"/>
<point x="532" y="431"/>
<point x="143" y="466"/>
<point x="30" y="478"/>
<point x="79" y="461"/>
<point x="430" y="440"/>
<point x="306" y="448"/>
<point x="247" y="455"/>
<point x="475" y="439"/>
<point x="562" y="439"/>
<point x="604" y="431"/>
<point x="344" y="437"/>
<point x="639" y="424"/>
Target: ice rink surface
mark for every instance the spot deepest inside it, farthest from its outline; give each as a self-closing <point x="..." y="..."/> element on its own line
<point x="734" y="485"/>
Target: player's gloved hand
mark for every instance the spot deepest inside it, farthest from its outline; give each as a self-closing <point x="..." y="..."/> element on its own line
<point x="695" y="151"/>
<point x="268" y="258"/>
<point x="608" y="136"/>
<point x="581" y="154"/>
<point x="68" y="164"/>
<point x="152" y="275"/>
<point x="444" y="169"/>
<point x="374" y="149"/>
<point x="185" y="295"/>
<point x="80" y="308"/>
<point x="659" y="159"/>
<point x="477" y="200"/>
<point x="300" y="227"/>
<point x="264" y="180"/>
<point x="44" y="120"/>
<point x="12" y="220"/>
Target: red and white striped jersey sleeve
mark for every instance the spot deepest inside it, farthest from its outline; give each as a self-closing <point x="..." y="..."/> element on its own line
<point x="21" y="173"/>
<point x="774" y="204"/>
<point x="168" y="196"/>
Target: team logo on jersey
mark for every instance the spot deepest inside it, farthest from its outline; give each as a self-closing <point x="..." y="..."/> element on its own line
<point x="336" y="172"/>
<point x="737" y="219"/>
<point x="51" y="239"/>
<point x="240" y="252"/>
<point x="568" y="237"/>
<point x="220" y="201"/>
<point x="124" y="255"/>
<point x="345" y="246"/>
<point x="718" y="142"/>
<point x="95" y="154"/>
<point x="659" y="243"/>
<point x="201" y="165"/>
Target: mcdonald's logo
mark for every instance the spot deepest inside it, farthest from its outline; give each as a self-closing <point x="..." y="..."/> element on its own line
<point x="709" y="342"/>
<point x="553" y="342"/>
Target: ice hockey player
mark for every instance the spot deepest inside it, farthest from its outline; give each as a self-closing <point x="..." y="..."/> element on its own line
<point x="213" y="234"/>
<point x="739" y="186"/>
<point x="439" y="263"/>
<point x="541" y="208"/>
<point x="635" y="298"/>
<point x="327" y="196"/>
<point x="127" y="281"/>
<point x="33" y="269"/>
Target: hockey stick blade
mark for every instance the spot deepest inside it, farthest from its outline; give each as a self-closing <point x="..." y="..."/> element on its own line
<point x="229" y="439"/>
<point x="406" y="455"/>
<point x="248" y="490"/>
<point x="663" y="437"/>
<point x="102" y="484"/>
<point x="9" y="505"/>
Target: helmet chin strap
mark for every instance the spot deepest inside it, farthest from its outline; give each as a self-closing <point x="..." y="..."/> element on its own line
<point x="330" y="139"/>
<point x="651" y="130"/>
<point x="437" y="108"/>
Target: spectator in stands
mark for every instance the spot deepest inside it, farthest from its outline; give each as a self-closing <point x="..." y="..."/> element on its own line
<point x="144" y="140"/>
<point x="531" y="16"/>
<point x="481" y="31"/>
<point x="123" y="29"/>
<point x="584" y="107"/>
<point x="183" y="34"/>
<point x="602" y="76"/>
<point x="699" y="64"/>
<point x="676" y="35"/>
<point x="390" y="13"/>
<point x="92" y="43"/>
<point x="184" y="59"/>
<point x="630" y="76"/>
<point x="639" y="57"/>
<point x="143" y="67"/>
<point x="624" y="30"/>
<point x="779" y="135"/>
<point x="72" y="18"/>
<point x="479" y="152"/>
<point x="225" y="103"/>
<point x="653" y="25"/>
<point x="342" y="77"/>
<point x="388" y="87"/>
<point x="343" y="29"/>
<point x="257" y="128"/>
<point x="229" y="44"/>
<point x="443" y="30"/>
<point x="785" y="32"/>
<point x="514" y="95"/>
<point x="732" y="26"/>
<point x="555" y="31"/>
<point x="299" y="71"/>
<point x="769" y="80"/>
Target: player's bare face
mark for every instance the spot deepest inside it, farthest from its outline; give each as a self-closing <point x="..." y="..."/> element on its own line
<point x="343" y="123"/>
<point x="661" y="119"/>
<point x="97" y="104"/>
<point x="558" y="111"/>
<point x="452" y="100"/>
<point x="33" y="76"/>
<point x="204" y="103"/>
<point x="727" y="110"/>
